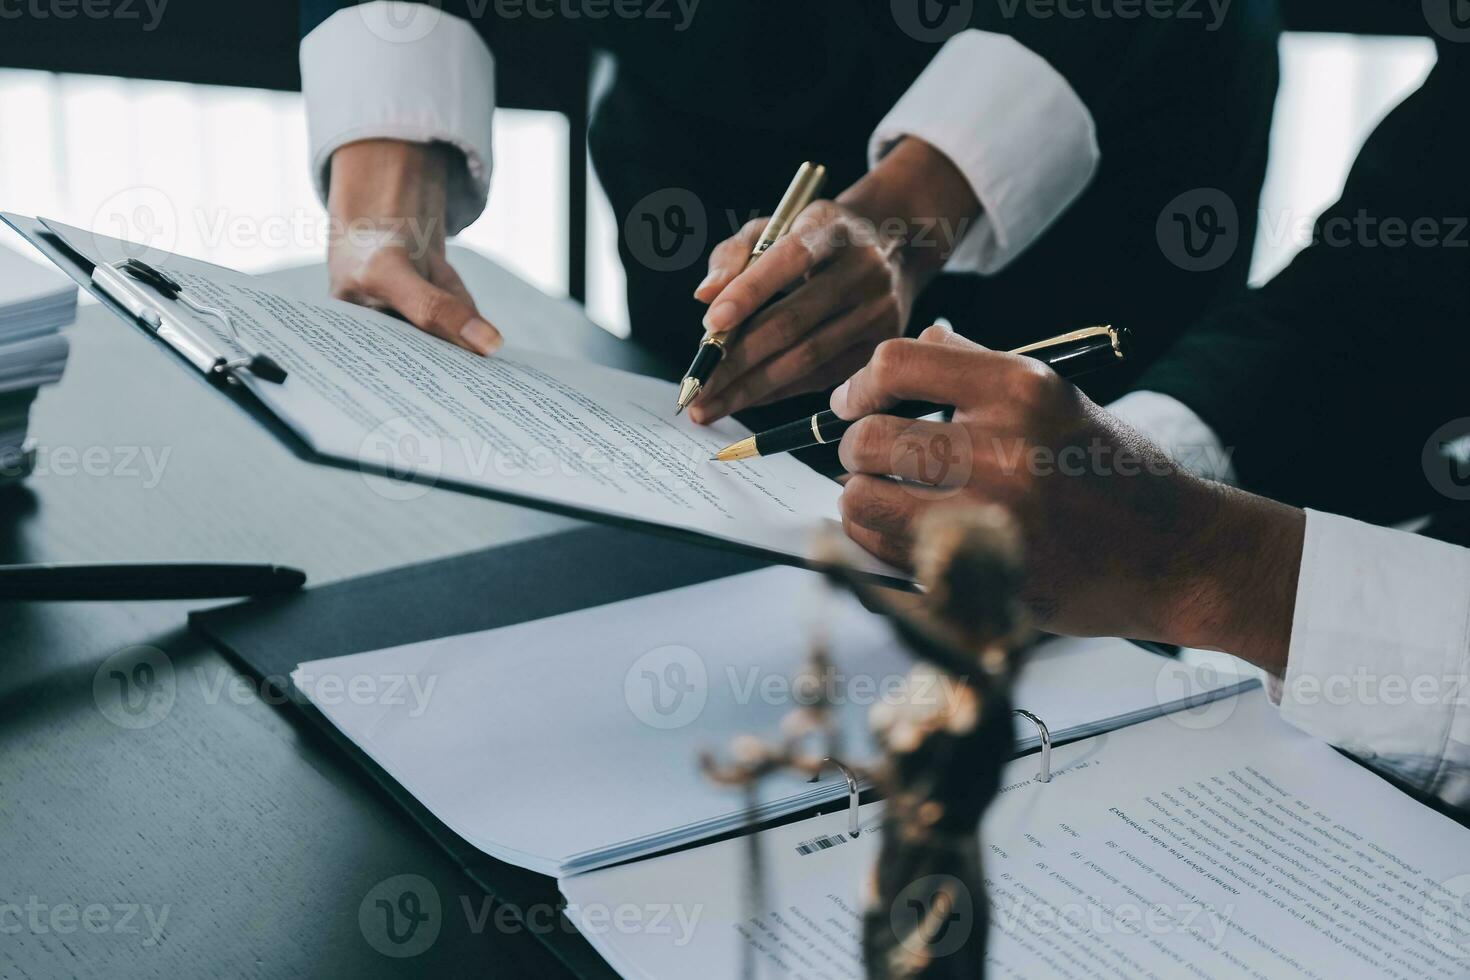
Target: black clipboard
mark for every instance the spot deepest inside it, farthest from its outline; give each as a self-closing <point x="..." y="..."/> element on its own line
<point x="269" y="637"/>
<point x="79" y="267"/>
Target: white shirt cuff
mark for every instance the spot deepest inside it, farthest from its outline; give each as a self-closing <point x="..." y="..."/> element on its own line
<point x="1380" y="651"/>
<point x="407" y="71"/>
<point x="1174" y="427"/>
<point x="1013" y="126"/>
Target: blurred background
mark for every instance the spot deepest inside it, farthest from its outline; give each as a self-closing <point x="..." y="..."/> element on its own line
<point x="93" y="150"/>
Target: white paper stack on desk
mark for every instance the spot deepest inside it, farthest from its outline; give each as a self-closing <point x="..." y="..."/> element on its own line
<point x="571" y="743"/>
<point x="35" y="302"/>
<point x="1239" y="849"/>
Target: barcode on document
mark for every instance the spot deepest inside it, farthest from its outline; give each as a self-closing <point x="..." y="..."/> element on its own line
<point x="821" y="843"/>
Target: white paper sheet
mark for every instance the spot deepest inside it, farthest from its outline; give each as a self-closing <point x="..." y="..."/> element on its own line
<point x="34" y="299"/>
<point x="367" y="388"/>
<point x="571" y="742"/>
<point x="1246" y="849"/>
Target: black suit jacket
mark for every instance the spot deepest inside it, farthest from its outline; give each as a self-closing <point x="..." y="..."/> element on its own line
<point x="1329" y="382"/>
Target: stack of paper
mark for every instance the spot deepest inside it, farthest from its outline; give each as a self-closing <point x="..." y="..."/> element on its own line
<point x="1240" y="849"/>
<point x="570" y="743"/>
<point x="34" y="304"/>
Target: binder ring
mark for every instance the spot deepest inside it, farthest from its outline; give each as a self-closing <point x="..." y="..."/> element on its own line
<point x="1044" y="776"/>
<point x="852" y="795"/>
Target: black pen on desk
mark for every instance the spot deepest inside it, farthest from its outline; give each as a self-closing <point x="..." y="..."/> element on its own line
<point x="1071" y="355"/>
<point x="127" y="582"/>
<point x="803" y="190"/>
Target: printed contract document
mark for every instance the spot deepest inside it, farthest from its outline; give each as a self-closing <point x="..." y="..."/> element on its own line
<point x="1240" y="848"/>
<point x="368" y="389"/>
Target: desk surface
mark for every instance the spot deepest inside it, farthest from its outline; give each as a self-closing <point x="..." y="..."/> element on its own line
<point x="237" y="827"/>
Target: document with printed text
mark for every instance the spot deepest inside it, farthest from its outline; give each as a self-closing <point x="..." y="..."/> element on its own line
<point x="368" y="389"/>
<point x="1240" y="849"/>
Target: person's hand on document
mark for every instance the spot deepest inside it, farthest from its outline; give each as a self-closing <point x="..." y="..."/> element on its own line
<point x="1118" y="539"/>
<point x="386" y="202"/>
<point x="850" y="270"/>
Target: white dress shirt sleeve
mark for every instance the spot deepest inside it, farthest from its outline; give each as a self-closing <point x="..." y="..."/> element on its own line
<point x="1379" y="663"/>
<point x="1013" y="126"/>
<point x="1174" y="427"/>
<point x="1379" y="660"/>
<point x="408" y="71"/>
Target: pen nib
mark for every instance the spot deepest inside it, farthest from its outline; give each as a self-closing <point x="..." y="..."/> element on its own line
<point x="688" y="390"/>
<point x="744" y="449"/>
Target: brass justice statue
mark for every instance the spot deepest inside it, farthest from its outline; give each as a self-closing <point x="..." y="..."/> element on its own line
<point x="925" y="914"/>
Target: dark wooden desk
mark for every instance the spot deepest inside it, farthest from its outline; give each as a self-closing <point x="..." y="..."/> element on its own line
<point x="256" y="839"/>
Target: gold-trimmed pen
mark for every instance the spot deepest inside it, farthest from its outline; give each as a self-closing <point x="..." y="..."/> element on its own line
<point x="1071" y="355"/>
<point x="805" y="187"/>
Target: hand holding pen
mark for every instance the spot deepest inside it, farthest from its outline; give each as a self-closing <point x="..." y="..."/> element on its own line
<point x="757" y="238"/>
<point x="1071" y="355"/>
<point x="1021" y="437"/>
<point x="841" y="282"/>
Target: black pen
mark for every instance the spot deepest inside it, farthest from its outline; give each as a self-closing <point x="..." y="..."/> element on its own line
<point x="803" y="190"/>
<point x="132" y="582"/>
<point x="1071" y="355"/>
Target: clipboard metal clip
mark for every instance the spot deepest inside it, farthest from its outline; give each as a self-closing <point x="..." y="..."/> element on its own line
<point x="117" y="282"/>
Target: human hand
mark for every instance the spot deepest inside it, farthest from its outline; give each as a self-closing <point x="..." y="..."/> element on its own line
<point x="1118" y="539"/>
<point x="850" y="271"/>
<point x="386" y="251"/>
